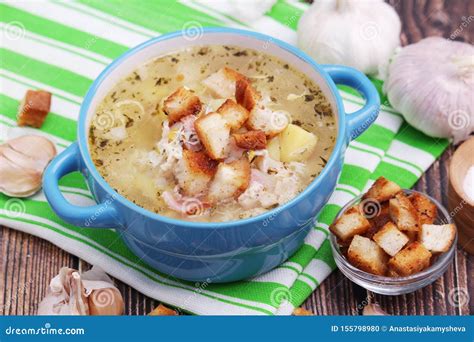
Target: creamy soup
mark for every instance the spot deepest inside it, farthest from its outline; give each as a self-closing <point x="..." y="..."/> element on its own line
<point x="212" y="133"/>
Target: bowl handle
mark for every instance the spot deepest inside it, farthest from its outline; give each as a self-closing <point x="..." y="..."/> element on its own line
<point x="360" y="120"/>
<point x="102" y="215"/>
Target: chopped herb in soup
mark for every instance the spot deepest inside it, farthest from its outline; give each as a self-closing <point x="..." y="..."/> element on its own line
<point x="212" y="133"/>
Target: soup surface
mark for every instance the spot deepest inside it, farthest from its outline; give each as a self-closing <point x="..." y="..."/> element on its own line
<point x="212" y="133"/>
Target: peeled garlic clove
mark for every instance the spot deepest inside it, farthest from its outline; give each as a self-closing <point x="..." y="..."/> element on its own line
<point x="22" y="163"/>
<point x="16" y="181"/>
<point x="34" y="146"/>
<point x="373" y="310"/>
<point x="106" y="302"/>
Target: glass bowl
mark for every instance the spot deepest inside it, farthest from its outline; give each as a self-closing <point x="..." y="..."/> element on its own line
<point x="396" y="285"/>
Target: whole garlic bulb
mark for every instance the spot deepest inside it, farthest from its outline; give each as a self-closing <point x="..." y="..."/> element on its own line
<point x="431" y="83"/>
<point x="360" y="34"/>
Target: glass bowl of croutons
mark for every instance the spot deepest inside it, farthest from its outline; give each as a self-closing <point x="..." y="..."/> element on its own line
<point x="393" y="241"/>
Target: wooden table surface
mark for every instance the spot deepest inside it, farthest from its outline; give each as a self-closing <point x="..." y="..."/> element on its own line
<point x="28" y="263"/>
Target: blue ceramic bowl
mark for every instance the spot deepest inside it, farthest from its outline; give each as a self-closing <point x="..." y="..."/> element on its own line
<point x="196" y="251"/>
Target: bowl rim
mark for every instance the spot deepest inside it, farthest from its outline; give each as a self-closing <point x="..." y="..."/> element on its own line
<point x="440" y="262"/>
<point x="341" y="139"/>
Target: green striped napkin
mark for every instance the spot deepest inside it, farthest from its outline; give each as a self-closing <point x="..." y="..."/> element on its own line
<point x="62" y="47"/>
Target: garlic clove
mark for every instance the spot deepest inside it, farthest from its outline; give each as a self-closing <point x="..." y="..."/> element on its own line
<point x="34" y="146"/>
<point x="78" y="300"/>
<point x="106" y="302"/>
<point x="16" y="181"/>
<point x="89" y="293"/>
<point x="22" y="162"/>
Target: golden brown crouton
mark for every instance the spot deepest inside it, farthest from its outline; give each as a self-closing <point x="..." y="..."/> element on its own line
<point x="379" y="220"/>
<point x="230" y="181"/>
<point x="271" y="122"/>
<point x="390" y="239"/>
<point x="194" y="172"/>
<point x="366" y="255"/>
<point x="352" y="222"/>
<point x="162" y="310"/>
<point x="233" y="113"/>
<point x="34" y="108"/>
<point x="214" y="134"/>
<point x="251" y="140"/>
<point x="382" y="190"/>
<point x="427" y="210"/>
<point x="222" y="83"/>
<point x="410" y="260"/>
<point x="245" y="94"/>
<point x="437" y="238"/>
<point x="181" y="103"/>
<point x="403" y="213"/>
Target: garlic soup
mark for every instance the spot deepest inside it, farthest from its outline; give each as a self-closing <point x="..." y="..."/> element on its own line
<point x="212" y="133"/>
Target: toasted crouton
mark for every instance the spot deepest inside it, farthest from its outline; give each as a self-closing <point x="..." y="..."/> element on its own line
<point x="222" y="83"/>
<point x="233" y="113"/>
<point x="251" y="140"/>
<point x="162" y="310"/>
<point x="181" y="103"/>
<point x="379" y="220"/>
<point x="390" y="239"/>
<point x="351" y="223"/>
<point x="245" y="94"/>
<point x="427" y="210"/>
<point x="230" y="180"/>
<point x="410" y="260"/>
<point x="34" y="108"/>
<point x="437" y="238"/>
<point x="264" y="119"/>
<point x="214" y="134"/>
<point x="194" y="172"/>
<point x="382" y="190"/>
<point x="366" y="255"/>
<point x="403" y="213"/>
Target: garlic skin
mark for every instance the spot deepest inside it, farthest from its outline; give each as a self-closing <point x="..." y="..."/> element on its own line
<point x="22" y="163"/>
<point x="359" y="34"/>
<point x="89" y="293"/>
<point x="431" y="83"/>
